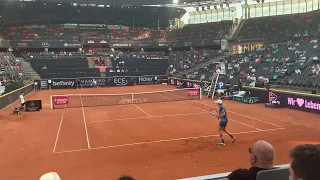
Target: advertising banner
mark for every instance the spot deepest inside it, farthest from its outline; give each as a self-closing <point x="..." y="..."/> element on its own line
<point x="60" y="100"/>
<point x="34" y="105"/>
<point x="187" y="83"/>
<point x="298" y="101"/>
<point x="64" y="83"/>
<point x="44" y="84"/>
<point x="141" y="80"/>
<point x="238" y="48"/>
<point x="46" y="44"/>
<point x="87" y="82"/>
<point x="120" y="81"/>
<point x="193" y="92"/>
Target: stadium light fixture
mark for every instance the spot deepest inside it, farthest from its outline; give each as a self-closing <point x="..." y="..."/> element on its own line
<point x="175" y="1"/>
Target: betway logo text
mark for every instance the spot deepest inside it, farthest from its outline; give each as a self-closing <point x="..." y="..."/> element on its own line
<point x="63" y="83"/>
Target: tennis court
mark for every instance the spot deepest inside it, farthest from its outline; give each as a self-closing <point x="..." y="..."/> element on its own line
<point x="164" y="140"/>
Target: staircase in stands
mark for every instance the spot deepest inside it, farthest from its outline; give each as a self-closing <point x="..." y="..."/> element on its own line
<point x="236" y="27"/>
<point x="196" y="68"/>
<point x="26" y="66"/>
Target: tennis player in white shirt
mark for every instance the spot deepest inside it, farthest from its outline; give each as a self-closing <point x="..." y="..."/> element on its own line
<point x="22" y="101"/>
<point x="94" y="84"/>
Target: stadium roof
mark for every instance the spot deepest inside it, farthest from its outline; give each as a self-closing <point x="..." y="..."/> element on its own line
<point x="138" y="2"/>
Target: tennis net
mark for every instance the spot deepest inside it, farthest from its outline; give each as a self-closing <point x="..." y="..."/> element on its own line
<point x="92" y="100"/>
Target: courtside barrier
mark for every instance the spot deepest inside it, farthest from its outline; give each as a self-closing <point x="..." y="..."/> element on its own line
<point x="73" y="83"/>
<point x="11" y="97"/>
<point x="289" y="99"/>
<point x="223" y="176"/>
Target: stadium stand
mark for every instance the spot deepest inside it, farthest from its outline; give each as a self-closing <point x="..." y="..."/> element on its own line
<point x="139" y="34"/>
<point x="280" y="28"/>
<point x="137" y="63"/>
<point x="41" y="33"/>
<point x="214" y="30"/>
<point x="61" y="65"/>
<point x="293" y="63"/>
<point x="290" y="55"/>
<point x="182" y="60"/>
<point x="10" y="68"/>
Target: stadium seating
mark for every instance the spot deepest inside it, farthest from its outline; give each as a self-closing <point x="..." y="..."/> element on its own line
<point x="10" y="68"/>
<point x="292" y="63"/>
<point x="61" y="65"/>
<point x="182" y="60"/>
<point x="41" y="33"/>
<point x="138" y="66"/>
<point x="274" y="174"/>
<point x="280" y="28"/>
<point x="142" y="34"/>
<point x="215" y="30"/>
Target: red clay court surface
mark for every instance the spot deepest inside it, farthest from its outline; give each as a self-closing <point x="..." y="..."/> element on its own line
<point x="168" y="140"/>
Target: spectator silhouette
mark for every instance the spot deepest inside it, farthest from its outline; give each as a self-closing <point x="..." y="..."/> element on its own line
<point x="261" y="158"/>
<point x="125" y="178"/>
<point x="305" y="162"/>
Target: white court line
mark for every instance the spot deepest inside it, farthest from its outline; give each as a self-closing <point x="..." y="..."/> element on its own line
<point x="169" y="115"/>
<point x="164" y="140"/>
<point x="245" y="124"/>
<point x="58" y="133"/>
<point x="243" y="115"/>
<point x="207" y="111"/>
<point x="142" y="110"/>
<point x="85" y="123"/>
<point x="138" y="108"/>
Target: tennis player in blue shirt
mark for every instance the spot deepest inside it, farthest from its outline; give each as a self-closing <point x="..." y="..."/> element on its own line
<point x="222" y="115"/>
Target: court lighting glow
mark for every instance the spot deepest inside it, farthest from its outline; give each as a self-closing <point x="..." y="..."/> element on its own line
<point x="175" y="1"/>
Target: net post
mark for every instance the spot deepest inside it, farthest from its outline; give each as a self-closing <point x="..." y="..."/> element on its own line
<point x="200" y="89"/>
<point x="132" y="98"/>
<point x="51" y="105"/>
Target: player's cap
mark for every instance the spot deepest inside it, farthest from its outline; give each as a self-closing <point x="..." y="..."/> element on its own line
<point x="218" y="101"/>
<point x="50" y="176"/>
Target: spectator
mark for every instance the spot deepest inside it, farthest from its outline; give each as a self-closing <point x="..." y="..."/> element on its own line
<point x="297" y="71"/>
<point x="126" y="178"/>
<point x="261" y="158"/>
<point x="305" y="162"/>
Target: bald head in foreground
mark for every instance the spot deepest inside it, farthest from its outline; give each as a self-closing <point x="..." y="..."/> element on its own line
<point x="262" y="156"/>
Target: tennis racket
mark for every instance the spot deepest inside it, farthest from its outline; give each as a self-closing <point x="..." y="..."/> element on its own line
<point x="213" y="112"/>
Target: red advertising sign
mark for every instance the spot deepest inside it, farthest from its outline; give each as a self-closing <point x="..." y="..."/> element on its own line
<point x="60" y="100"/>
<point x="193" y="92"/>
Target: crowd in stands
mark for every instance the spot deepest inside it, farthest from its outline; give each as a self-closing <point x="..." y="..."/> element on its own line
<point x="281" y="28"/>
<point x="10" y="69"/>
<point x="182" y="60"/>
<point x="28" y="33"/>
<point x="291" y="63"/>
<point x="52" y="55"/>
